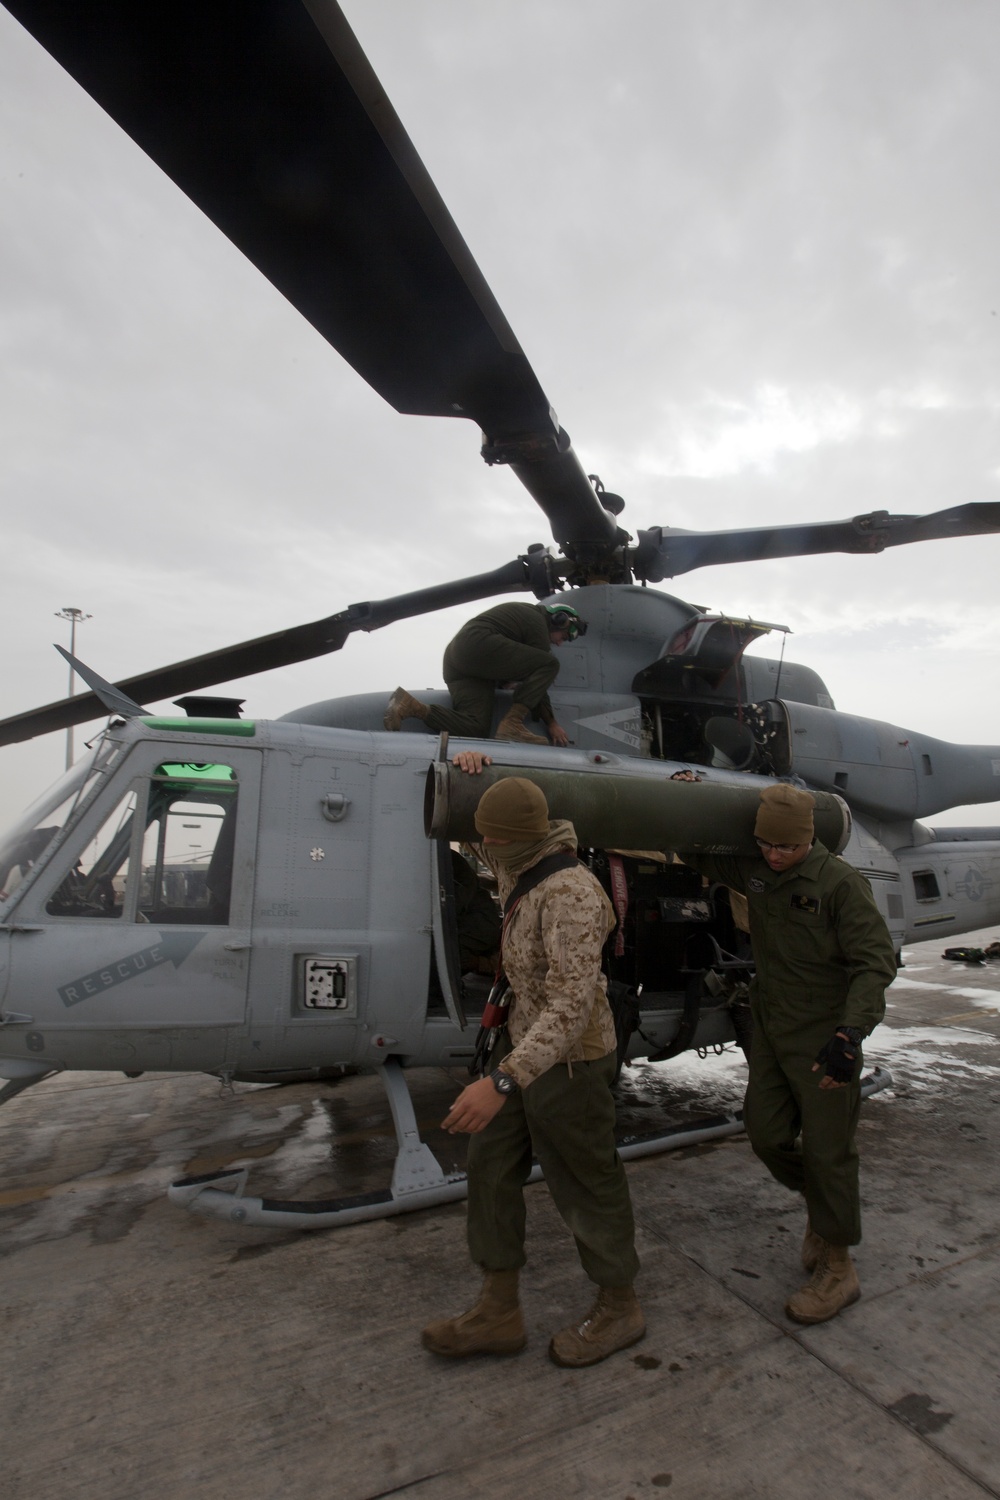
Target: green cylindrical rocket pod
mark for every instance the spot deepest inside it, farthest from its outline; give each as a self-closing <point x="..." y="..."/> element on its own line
<point x="614" y="811"/>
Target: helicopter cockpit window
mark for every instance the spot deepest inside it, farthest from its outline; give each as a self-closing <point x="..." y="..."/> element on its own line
<point x="185" y="862"/>
<point x="95" y="885"/>
<point x="23" y="846"/>
<point x="187" y="849"/>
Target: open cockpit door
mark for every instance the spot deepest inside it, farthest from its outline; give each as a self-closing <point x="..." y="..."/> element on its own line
<point x="695" y="695"/>
<point x="702" y="659"/>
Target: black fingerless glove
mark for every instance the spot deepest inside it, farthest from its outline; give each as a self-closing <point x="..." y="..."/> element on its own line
<point x="840" y="1057"/>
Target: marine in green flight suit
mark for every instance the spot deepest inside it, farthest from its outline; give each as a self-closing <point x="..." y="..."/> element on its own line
<point x="510" y="643"/>
<point x="823" y="957"/>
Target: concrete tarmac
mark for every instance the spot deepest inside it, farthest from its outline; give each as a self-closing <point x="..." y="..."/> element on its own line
<point x="152" y="1353"/>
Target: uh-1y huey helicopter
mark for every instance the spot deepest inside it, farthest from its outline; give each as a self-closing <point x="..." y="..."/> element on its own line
<point x="316" y="929"/>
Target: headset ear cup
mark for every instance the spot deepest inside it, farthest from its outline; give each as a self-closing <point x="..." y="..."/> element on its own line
<point x="566" y="619"/>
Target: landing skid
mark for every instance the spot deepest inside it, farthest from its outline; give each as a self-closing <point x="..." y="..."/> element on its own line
<point x="26" y="1076"/>
<point x="417" y="1181"/>
<point x="417" y="1178"/>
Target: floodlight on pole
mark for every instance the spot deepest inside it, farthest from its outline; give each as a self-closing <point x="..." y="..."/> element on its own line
<point x="75" y="617"/>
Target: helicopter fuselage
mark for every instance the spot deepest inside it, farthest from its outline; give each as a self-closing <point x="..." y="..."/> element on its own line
<point x="259" y="900"/>
<point x="251" y="903"/>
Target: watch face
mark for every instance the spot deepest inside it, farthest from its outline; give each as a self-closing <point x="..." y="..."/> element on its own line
<point x="503" y="1083"/>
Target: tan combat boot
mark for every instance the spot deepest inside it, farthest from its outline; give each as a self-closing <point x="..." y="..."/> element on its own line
<point x="834" y="1285"/>
<point x="512" y="727"/>
<point x="402" y="705"/>
<point x="614" y="1322"/>
<point x="493" y="1326"/>
<point x="812" y="1248"/>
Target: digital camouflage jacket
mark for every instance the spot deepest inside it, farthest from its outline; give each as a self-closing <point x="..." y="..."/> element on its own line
<point x="552" y="958"/>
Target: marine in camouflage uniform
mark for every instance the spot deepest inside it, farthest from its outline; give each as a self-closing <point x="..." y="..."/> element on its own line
<point x="511" y="643"/>
<point x="549" y="1096"/>
<point x="823" y="957"/>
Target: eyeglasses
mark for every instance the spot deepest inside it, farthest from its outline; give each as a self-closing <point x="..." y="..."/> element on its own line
<point x="764" y="846"/>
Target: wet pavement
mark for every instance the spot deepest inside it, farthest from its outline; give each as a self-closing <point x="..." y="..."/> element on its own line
<point x="152" y="1352"/>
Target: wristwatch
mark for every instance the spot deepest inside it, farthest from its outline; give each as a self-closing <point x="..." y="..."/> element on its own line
<point x="852" y="1034"/>
<point x="503" y="1082"/>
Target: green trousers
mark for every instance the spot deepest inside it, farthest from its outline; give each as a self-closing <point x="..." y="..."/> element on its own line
<point x="569" y="1124"/>
<point x="474" y="663"/>
<point x="803" y="1134"/>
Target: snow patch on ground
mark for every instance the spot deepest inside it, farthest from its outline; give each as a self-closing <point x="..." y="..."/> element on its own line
<point x="925" y="1059"/>
<point x="690" y="1084"/>
<point x="987" y="998"/>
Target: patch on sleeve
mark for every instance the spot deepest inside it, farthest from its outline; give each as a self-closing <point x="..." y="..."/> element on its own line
<point x="756" y="885"/>
<point x="805" y="903"/>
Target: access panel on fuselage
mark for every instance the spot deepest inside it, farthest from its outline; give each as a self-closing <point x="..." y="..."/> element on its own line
<point x="342" y="921"/>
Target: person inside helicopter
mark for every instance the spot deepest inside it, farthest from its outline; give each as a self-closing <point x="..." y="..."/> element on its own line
<point x="509" y="645"/>
<point x="477" y="916"/>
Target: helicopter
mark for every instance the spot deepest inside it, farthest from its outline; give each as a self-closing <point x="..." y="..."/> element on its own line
<point x="313" y="927"/>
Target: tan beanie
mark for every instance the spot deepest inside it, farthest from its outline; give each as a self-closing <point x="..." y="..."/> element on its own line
<point x="514" y="808"/>
<point x="785" y="815"/>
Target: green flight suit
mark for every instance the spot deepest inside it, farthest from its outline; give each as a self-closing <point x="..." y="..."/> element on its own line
<point x="477" y="916"/>
<point x="823" y="957"/>
<point x="509" y="643"/>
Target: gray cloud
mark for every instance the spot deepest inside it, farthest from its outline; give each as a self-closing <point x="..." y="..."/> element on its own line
<point x="749" y="248"/>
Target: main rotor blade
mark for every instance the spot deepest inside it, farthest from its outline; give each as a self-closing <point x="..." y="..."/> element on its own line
<point x="268" y="115"/>
<point x="664" y="552"/>
<point x="300" y="643"/>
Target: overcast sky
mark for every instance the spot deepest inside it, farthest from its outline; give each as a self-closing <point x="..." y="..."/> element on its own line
<point x="749" y="246"/>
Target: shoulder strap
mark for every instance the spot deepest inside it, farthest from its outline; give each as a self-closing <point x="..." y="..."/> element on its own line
<point x="551" y="865"/>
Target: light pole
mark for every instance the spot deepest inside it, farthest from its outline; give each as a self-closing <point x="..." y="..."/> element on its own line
<point x="75" y="617"/>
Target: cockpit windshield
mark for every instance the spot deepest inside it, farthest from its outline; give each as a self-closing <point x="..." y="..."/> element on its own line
<point x="23" y="845"/>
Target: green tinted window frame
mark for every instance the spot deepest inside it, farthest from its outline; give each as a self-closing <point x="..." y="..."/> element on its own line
<point x="193" y="773"/>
